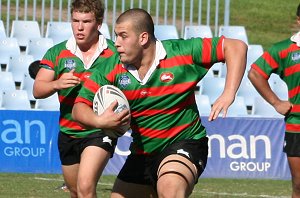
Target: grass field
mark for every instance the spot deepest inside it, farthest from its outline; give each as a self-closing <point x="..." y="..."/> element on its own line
<point x="46" y="186"/>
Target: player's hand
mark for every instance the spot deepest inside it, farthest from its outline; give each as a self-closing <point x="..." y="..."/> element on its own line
<point x="220" y="106"/>
<point x="283" y="107"/>
<point x="115" y="120"/>
<point x="67" y="80"/>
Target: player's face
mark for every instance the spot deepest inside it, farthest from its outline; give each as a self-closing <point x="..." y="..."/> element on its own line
<point x="85" y="28"/>
<point x="128" y="44"/>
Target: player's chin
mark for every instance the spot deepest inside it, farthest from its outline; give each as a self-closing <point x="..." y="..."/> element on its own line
<point x="124" y="60"/>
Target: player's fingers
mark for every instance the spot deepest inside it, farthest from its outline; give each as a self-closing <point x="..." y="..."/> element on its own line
<point x="113" y="105"/>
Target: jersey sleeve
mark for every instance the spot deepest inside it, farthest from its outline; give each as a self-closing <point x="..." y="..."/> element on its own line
<point x="208" y="51"/>
<point x="48" y="60"/>
<point x="268" y="62"/>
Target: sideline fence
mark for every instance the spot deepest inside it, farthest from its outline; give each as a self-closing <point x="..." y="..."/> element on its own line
<point x="174" y="12"/>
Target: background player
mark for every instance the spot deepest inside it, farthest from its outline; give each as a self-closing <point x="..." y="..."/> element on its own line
<point x="283" y="59"/>
<point x="83" y="152"/>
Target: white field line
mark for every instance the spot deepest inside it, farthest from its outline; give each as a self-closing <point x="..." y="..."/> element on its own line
<point x="236" y="194"/>
<point x="55" y="179"/>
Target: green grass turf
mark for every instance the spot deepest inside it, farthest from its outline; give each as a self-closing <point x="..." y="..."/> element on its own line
<point x="46" y="185"/>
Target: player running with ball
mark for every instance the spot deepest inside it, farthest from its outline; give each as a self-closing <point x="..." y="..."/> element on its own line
<point x="169" y="149"/>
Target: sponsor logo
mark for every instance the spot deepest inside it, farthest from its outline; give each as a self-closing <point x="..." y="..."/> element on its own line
<point x="166" y="77"/>
<point x="70" y="64"/>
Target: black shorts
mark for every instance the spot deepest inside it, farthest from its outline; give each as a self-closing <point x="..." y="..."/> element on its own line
<point x="70" y="148"/>
<point x="292" y="144"/>
<point x="140" y="169"/>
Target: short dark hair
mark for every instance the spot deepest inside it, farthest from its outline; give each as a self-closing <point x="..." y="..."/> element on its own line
<point x="298" y="11"/>
<point x="141" y="19"/>
<point x="86" y="6"/>
<point x="34" y="68"/>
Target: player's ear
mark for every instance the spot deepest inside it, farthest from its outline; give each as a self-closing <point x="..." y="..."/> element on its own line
<point x="144" y="38"/>
<point x="298" y="20"/>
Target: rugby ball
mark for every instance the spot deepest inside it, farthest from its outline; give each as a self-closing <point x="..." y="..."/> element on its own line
<point x="103" y="98"/>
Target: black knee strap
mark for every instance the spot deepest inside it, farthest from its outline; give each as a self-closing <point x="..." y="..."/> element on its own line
<point x="174" y="160"/>
<point x="175" y="172"/>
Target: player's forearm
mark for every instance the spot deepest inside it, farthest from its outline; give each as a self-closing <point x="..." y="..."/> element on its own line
<point x="43" y="89"/>
<point x="262" y="86"/>
<point x="235" y="57"/>
<point x="84" y="115"/>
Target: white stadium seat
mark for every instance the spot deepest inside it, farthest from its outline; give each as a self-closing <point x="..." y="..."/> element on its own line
<point x="8" y="47"/>
<point x="203" y="104"/>
<point x="105" y="30"/>
<point x="18" y="66"/>
<point x="262" y="108"/>
<point x="238" y="108"/>
<point x="194" y="31"/>
<point x="2" y="30"/>
<point x="237" y="32"/>
<point x="24" y="30"/>
<point x="58" y="31"/>
<point x="16" y="100"/>
<point x="164" y="32"/>
<point x="7" y="81"/>
<point x="51" y="103"/>
<point x="37" y="47"/>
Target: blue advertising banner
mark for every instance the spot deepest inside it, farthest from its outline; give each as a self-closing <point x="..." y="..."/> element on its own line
<point x="238" y="147"/>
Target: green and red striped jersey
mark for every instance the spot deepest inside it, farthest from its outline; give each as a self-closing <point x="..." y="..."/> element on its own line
<point x="61" y="60"/>
<point x="163" y="109"/>
<point x="283" y="59"/>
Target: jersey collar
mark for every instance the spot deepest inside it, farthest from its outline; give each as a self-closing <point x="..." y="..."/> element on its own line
<point x="160" y="53"/>
<point x="73" y="47"/>
<point x="296" y="38"/>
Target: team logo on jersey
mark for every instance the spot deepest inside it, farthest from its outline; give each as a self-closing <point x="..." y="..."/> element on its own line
<point x="124" y="80"/>
<point x="296" y="56"/>
<point x="70" y="64"/>
<point x="166" y="77"/>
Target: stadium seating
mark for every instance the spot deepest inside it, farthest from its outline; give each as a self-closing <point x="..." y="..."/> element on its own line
<point x="248" y="91"/>
<point x="105" y="30"/>
<point x="279" y="86"/>
<point x="192" y="31"/>
<point x="7" y="81"/>
<point x="24" y="30"/>
<point x="237" y="32"/>
<point x="2" y="30"/>
<point x="37" y="47"/>
<point x="238" y="108"/>
<point x="203" y="103"/>
<point x="51" y="103"/>
<point x="261" y="108"/>
<point x="16" y="100"/>
<point x="27" y="85"/>
<point x="254" y="52"/>
<point x="216" y="68"/>
<point x="164" y="32"/>
<point x="18" y="66"/>
<point x="58" y="31"/>
<point x="8" y="47"/>
<point x="212" y="87"/>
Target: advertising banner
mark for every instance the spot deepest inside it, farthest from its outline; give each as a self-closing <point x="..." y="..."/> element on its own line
<point x="238" y="147"/>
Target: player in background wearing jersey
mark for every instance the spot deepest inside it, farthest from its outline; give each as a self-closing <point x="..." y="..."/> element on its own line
<point x="83" y="152"/>
<point x="283" y="59"/>
<point x="169" y="148"/>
